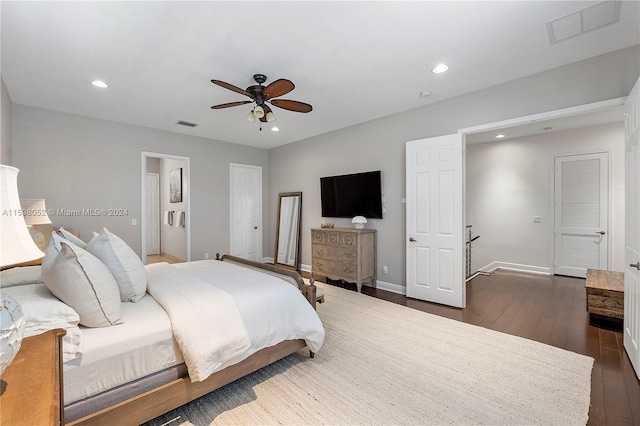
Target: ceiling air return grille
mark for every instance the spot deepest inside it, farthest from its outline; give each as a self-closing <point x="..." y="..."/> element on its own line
<point x="583" y="21"/>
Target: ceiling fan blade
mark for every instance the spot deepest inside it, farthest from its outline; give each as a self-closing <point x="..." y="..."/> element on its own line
<point x="291" y="105"/>
<point x="278" y="88"/>
<point x="232" y="88"/>
<point x="231" y="104"/>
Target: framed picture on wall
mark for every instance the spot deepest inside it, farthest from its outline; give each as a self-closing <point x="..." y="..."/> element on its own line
<point x="175" y="185"/>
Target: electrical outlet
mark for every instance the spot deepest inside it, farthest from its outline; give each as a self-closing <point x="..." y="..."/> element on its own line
<point x="206" y="255"/>
<point x="537" y="219"/>
<point x="385" y="270"/>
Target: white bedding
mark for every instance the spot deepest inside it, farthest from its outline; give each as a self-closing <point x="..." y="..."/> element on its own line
<point x="143" y="344"/>
<point x="272" y="311"/>
<point x="205" y="319"/>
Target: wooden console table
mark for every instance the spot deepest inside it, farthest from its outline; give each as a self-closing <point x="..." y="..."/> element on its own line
<point x="32" y="384"/>
<point x="347" y="254"/>
<point x="605" y="293"/>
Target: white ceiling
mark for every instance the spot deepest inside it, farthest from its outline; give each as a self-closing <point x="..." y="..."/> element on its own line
<point x="353" y="61"/>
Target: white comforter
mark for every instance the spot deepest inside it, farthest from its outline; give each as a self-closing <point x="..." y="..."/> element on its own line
<point x="221" y="312"/>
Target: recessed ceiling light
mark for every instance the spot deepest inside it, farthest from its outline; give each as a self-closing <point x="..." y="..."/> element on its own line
<point x="275" y="129"/>
<point x="500" y="136"/>
<point x="425" y="94"/>
<point x="99" y="83"/>
<point x="440" y="68"/>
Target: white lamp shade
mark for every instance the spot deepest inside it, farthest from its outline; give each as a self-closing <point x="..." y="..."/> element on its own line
<point x="16" y="245"/>
<point x="258" y="112"/>
<point x="251" y="117"/>
<point x="35" y="211"/>
<point x="270" y="117"/>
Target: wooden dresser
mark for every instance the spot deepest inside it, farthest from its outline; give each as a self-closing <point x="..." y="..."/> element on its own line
<point x="347" y="254"/>
<point x="32" y="384"/>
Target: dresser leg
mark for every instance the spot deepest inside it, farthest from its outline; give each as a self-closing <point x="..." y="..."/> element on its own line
<point x="359" y="285"/>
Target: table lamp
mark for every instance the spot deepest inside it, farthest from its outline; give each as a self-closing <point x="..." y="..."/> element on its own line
<point x="16" y="246"/>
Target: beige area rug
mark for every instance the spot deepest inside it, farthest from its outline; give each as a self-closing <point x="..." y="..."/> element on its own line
<point x="385" y="364"/>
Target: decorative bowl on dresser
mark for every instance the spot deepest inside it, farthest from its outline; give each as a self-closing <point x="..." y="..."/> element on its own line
<point x="344" y="254"/>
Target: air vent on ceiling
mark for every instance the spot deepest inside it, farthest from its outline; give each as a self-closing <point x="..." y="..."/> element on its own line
<point x="585" y="20"/>
<point x="186" y="123"/>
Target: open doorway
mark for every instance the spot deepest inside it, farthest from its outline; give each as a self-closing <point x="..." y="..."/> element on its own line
<point x="165" y="207"/>
<point x="445" y="158"/>
<point x="511" y="199"/>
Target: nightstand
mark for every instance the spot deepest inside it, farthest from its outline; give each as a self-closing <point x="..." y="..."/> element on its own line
<point x="32" y="384"/>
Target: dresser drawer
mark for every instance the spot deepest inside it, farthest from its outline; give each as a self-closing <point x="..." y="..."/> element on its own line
<point x="345" y="239"/>
<point x="326" y="251"/>
<point x="335" y="269"/>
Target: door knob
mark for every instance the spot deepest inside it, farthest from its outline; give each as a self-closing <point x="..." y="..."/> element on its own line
<point x="412" y="240"/>
<point x="255" y="227"/>
<point x="601" y="232"/>
<point x="635" y="265"/>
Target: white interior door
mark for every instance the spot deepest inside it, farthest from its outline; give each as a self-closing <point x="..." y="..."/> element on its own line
<point x="153" y="213"/>
<point x="246" y="211"/>
<point x="581" y="205"/>
<point x="632" y="241"/>
<point x="435" y="220"/>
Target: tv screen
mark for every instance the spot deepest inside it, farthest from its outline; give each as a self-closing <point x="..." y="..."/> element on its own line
<point x="352" y="195"/>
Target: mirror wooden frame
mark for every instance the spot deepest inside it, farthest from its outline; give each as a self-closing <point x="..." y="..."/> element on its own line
<point x="294" y="248"/>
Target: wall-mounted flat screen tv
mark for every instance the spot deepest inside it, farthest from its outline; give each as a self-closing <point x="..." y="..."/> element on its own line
<point x="358" y="194"/>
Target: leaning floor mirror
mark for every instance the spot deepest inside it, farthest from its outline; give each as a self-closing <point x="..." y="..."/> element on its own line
<point x="288" y="229"/>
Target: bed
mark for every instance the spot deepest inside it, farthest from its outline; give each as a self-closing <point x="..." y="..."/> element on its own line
<point x="154" y="358"/>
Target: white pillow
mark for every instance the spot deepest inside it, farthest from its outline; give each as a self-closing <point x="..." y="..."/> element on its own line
<point x="83" y="282"/>
<point x="123" y="262"/>
<point x="70" y="237"/>
<point x="53" y="248"/>
<point x="21" y="275"/>
<point x="42" y="312"/>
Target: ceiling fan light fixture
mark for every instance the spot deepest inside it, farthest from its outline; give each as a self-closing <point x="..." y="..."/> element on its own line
<point x="258" y="112"/>
<point x="251" y="117"/>
<point x="270" y="117"/>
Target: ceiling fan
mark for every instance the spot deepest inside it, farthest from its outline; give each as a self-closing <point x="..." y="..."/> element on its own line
<point x="263" y="96"/>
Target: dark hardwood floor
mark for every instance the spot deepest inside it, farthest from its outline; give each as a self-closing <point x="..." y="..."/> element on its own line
<point x="551" y="310"/>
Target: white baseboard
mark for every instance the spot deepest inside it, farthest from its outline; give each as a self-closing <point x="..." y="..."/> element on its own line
<point x="515" y="267"/>
<point x="394" y="288"/>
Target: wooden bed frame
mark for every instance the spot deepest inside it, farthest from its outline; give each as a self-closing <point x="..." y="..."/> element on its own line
<point x="155" y="402"/>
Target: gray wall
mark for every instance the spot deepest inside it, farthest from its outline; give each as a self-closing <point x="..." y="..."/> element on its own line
<point x="5" y="124"/>
<point x="78" y="162"/>
<point x="380" y="144"/>
<point x="83" y="163"/>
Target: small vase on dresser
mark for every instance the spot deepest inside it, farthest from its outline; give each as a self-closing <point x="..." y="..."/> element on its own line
<point x="344" y="254"/>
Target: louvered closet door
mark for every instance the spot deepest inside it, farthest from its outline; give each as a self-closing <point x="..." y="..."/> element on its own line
<point x="581" y="213"/>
